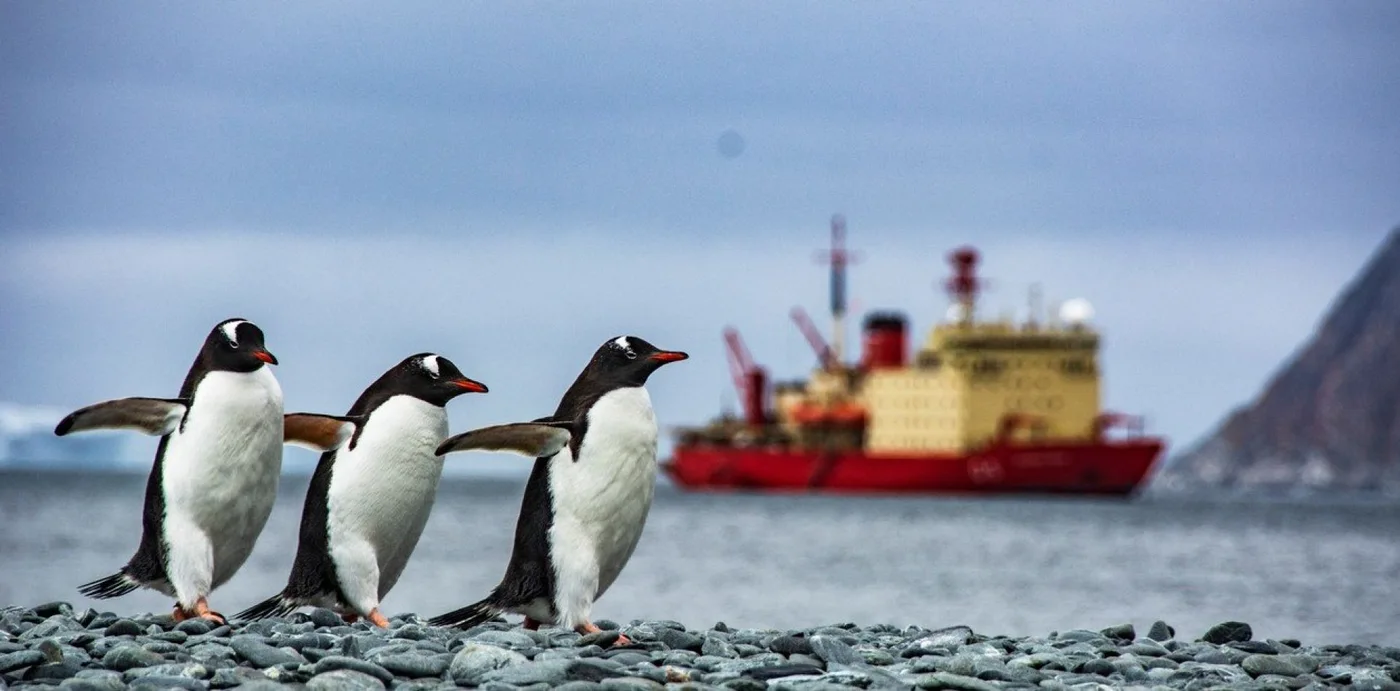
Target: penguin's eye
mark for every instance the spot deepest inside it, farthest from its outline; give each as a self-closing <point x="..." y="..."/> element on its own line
<point x="431" y="373"/>
<point x="233" y="344"/>
<point x="631" y="354"/>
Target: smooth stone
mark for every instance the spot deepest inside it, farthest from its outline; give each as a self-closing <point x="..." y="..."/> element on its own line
<point x="17" y="661"/>
<point x="56" y="671"/>
<point x="944" y="680"/>
<point x="549" y="672"/>
<point x="262" y="655"/>
<point x="578" y="686"/>
<point x="337" y="662"/>
<point x="94" y="680"/>
<point x="790" y="645"/>
<point x="317" y="641"/>
<point x="948" y="637"/>
<point x="49" y="609"/>
<point x="1256" y="647"/>
<point x="1228" y="631"/>
<point x="628" y="658"/>
<point x="415" y="666"/>
<point x="344" y="680"/>
<point x="1147" y="647"/>
<point x="1121" y="632"/>
<point x="718" y="647"/>
<point x="162" y="647"/>
<point x="594" y="670"/>
<point x="680" y="640"/>
<point x="191" y="670"/>
<point x="323" y="618"/>
<point x="767" y="672"/>
<point x="194" y="627"/>
<point x="603" y="639"/>
<point x="1282" y="665"/>
<point x="166" y="683"/>
<point x="630" y="684"/>
<point x="130" y="656"/>
<point x="833" y="650"/>
<point x="226" y="678"/>
<point x="474" y="661"/>
<point x="52" y="626"/>
<point x="506" y="639"/>
<point x="1160" y="631"/>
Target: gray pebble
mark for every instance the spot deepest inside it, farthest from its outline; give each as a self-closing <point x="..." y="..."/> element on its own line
<point x="94" y="680"/>
<point x="337" y="662"/>
<point x="344" y="680"/>
<point x="716" y="646"/>
<point x="631" y="684"/>
<point x="944" y="680"/>
<point x="1283" y="665"/>
<point x="16" y="661"/>
<point x="1228" y="631"/>
<point x="262" y="655"/>
<point x="416" y="665"/>
<point x="129" y="656"/>
<point x="513" y="640"/>
<point x="549" y="672"/>
<point x="153" y="683"/>
<point x="474" y="661"/>
<point x="123" y="627"/>
<point x="833" y="650"/>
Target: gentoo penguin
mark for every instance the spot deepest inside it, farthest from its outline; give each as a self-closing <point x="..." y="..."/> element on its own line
<point x="369" y="500"/>
<point x="215" y="474"/>
<point x="587" y="499"/>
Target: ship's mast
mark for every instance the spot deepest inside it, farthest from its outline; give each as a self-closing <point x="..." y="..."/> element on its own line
<point x="838" y="257"/>
<point x="964" y="283"/>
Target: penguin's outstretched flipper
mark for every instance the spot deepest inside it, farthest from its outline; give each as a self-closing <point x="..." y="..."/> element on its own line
<point x="154" y="416"/>
<point x="318" y="432"/>
<point x="539" y="439"/>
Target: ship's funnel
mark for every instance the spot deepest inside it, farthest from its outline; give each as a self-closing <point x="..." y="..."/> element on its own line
<point x="885" y="340"/>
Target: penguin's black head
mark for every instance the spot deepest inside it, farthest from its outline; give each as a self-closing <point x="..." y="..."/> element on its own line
<point x="429" y="377"/>
<point x="236" y="345"/>
<point x="628" y="360"/>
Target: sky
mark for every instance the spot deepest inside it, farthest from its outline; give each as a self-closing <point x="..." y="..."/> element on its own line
<point x="512" y="184"/>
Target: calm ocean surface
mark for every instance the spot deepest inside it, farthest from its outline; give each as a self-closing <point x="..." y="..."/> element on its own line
<point x="1320" y="572"/>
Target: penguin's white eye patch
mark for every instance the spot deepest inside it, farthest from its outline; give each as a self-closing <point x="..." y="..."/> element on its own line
<point x="430" y="364"/>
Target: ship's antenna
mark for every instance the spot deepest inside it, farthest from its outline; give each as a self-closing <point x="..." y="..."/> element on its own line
<point x="1034" y="300"/>
<point x="964" y="283"/>
<point x="838" y="257"/>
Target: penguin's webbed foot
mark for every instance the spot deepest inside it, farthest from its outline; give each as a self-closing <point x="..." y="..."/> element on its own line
<point x="377" y="619"/>
<point x="201" y="611"/>
<point x="590" y="627"/>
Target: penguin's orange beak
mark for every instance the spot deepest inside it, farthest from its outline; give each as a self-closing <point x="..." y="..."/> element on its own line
<point x="469" y="385"/>
<point x="669" y="356"/>
<point x="265" y="356"/>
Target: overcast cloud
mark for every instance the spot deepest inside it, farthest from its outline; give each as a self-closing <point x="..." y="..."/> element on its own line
<point x="510" y="184"/>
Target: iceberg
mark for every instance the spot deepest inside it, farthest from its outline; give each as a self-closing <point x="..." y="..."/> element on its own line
<point x="27" y="441"/>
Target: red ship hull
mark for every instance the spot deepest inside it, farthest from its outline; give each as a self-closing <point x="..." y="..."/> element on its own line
<point x="1102" y="468"/>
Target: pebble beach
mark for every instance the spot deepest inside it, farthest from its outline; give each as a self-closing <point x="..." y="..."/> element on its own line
<point x="54" y="646"/>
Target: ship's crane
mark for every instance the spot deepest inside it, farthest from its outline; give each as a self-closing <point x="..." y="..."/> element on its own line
<point x="824" y="354"/>
<point x="749" y="379"/>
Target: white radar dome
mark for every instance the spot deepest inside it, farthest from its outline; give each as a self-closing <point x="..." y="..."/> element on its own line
<point x="1076" y="311"/>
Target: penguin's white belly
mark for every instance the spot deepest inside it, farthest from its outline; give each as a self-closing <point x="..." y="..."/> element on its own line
<point x="219" y="476"/>
<point x="381" y="494"/>
<point x="601" y="501"/>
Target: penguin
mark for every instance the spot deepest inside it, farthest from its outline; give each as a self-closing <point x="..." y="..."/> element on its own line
<point x="369" y="499"/>
<point x="216" y="469"/>
<point x="588" y="496"/>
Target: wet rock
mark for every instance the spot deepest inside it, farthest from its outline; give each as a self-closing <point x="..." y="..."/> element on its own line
<point x="474" y="661"/>
<point x="344" y="680"/>
<point x="1228" y="631"/>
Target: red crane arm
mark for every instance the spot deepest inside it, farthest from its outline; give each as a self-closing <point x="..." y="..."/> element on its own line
<point x="804" y="324"/>
<point x="740" y="364"/>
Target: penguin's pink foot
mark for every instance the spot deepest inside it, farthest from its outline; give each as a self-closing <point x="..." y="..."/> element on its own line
<point x="201" y="611"/>
<point x="531" y="624"/>
<point x="590" y="627"/>
<point x="377" y="619"/>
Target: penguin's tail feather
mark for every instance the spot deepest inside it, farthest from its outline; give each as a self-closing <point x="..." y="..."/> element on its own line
<point x="115" y="585"/>
<point x="469" y="616"/>
<point x="276" y="606"/>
